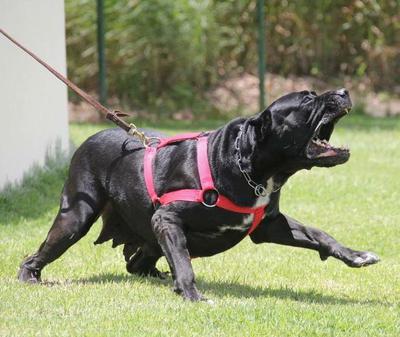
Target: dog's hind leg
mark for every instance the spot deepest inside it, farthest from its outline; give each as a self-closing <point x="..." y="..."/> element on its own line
<point x="140" y="256"/>
<point x="78" y="211"/>
<point x="284" y="230"/>
<point x="142" y="261"/>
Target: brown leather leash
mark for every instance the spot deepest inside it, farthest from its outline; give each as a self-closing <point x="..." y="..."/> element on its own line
<point x="113" y="116"/>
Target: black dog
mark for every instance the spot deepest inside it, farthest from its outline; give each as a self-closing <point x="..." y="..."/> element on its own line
<point x="106" y="178"/>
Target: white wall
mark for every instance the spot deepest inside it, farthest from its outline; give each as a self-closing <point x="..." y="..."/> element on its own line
<point x="33" y="103"/>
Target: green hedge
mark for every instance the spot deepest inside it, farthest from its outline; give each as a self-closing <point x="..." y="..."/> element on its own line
<point x="165" y="54"/>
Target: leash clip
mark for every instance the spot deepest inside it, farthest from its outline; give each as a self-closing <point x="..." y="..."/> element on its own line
<point x="133" y="131"/>
<point x="146" y="141"/>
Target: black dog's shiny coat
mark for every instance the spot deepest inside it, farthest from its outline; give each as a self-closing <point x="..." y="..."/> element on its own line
<point x="106" y="178"/>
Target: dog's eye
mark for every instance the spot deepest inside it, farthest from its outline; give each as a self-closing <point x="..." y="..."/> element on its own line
<point x="313" y="93"/>
<point x="307" y="99"/>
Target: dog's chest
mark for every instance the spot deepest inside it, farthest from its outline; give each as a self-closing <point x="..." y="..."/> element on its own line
<point x="206" y="239"/>
<point x="247" y="220"/>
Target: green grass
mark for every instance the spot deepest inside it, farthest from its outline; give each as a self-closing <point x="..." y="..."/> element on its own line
<point x="264" y="290"/>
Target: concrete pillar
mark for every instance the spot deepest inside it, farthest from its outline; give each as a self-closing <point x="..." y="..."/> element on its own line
<point x="33" y="103"/>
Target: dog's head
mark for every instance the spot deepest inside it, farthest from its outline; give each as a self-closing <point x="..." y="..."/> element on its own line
<point x="298" y="126"/>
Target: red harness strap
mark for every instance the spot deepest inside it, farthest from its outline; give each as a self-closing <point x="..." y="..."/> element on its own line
<point x="206" y="180"/>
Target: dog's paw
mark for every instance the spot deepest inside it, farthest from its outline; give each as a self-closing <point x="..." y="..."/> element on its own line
<point x="189" y="293"/>
<point x="194" y="297"/>
<point x="159" y="274"/>
<point x="323" y="256"/>
<point x="362" y="259"/>
<point x="28" y="276"/>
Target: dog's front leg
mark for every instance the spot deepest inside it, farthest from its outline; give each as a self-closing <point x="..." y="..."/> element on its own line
<point x="284" y="230"/>
<point x="167" y="227"/>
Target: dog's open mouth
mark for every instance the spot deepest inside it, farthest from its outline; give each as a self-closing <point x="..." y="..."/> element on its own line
<point x="318" y="147"/>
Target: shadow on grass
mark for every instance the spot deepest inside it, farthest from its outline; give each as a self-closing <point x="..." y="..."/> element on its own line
<point x="222" y="289"/>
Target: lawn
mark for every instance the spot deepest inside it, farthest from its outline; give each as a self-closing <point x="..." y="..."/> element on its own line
<point x="264" y="290"/>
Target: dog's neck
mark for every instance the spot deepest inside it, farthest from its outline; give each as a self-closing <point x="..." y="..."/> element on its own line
<point x="257" y="161"/>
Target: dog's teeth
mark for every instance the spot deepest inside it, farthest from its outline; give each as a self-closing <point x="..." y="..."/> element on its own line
<point x="325" y="143"/>
<point x="318" y="127"/>
<point x="344" y="148"/>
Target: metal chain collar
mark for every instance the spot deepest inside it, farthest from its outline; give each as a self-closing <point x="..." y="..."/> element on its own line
<point x="259" y="189"/>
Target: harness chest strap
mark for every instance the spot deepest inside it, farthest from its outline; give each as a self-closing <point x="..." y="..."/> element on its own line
<point x="206" y="180"/>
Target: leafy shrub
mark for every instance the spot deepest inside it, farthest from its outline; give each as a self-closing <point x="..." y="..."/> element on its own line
<point x="164" y="54"/>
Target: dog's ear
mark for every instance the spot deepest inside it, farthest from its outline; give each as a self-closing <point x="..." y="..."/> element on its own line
<point x="262" y="124"/>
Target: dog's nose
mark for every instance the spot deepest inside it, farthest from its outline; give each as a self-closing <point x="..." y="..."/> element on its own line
<point x="342" y="92"/>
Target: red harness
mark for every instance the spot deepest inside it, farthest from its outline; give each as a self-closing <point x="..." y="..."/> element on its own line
<point x="206" y="180"/>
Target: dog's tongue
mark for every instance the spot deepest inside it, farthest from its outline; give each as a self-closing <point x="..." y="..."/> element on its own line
<point x="325" y="149"/>
<point x="329" y="153"/>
